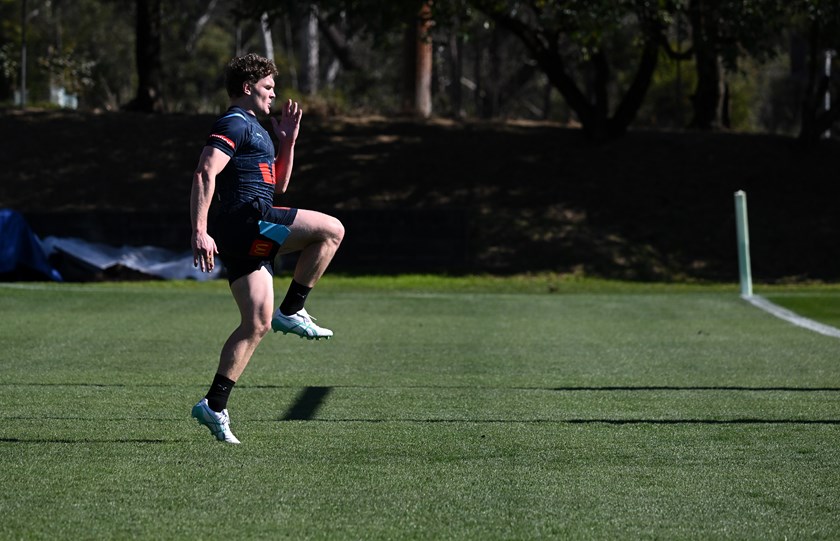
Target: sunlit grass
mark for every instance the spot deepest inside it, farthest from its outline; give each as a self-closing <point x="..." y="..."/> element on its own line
<point x="530" y="407"/>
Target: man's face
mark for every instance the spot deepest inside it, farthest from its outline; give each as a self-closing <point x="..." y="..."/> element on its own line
<point x="262" y="94"/>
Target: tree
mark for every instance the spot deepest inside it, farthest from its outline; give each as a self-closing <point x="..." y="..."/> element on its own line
<point x="268" y="38"/>
<point x="709" y="96"/>
<point x="309" y="50"/>
<point x="570" y="42"/>
<point x="820" y="21"/>
<point x="148" y="51"/>
<point x="721" y="33"/>
<point x="199" y="25"/>
<point x="500" y="82"/>
<point x="456" y="62"/>
<point x="417" y="76"/>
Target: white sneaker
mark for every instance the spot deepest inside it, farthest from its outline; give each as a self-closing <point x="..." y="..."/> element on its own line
<point x="300" y="324"/>
<point x="217" y="421"/>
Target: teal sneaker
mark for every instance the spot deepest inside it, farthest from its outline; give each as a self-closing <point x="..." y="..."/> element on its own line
<point x="217" y="421"/>
<point x="300" y="324"/>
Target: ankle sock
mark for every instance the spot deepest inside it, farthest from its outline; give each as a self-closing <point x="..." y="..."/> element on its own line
<point x="219" y="392"/>
<point x="295" y="298"/>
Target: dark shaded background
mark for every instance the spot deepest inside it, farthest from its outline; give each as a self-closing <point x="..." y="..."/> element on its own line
<point x="446" y="197"/>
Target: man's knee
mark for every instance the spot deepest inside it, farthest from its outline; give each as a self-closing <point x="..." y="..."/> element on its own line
<point x="314" y="228"/>
<point x="261" y="326"/>
<point x="336" y="230"/>
<point x="330" y="229"/>
<point x="263" y="329"/>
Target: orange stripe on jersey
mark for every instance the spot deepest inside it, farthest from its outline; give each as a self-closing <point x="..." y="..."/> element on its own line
<point x="267" y="173"/>
<point x="227" y="140"/>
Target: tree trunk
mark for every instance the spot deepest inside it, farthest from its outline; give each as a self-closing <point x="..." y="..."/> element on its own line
<point x="601" y="105"/>
<point x="635" y="95"/>
<point x="478" y="75"/>
<point x="456" y="69"/>
<point x="309" y="51"/>
<point x="591" y="108"/>
<point x="553" y="65"/>
<point x="339" y="44"/>
<point x="268" y="39"/>
<point x="815" y="120"/>
<point x="423" y="91"/>
<point x="148" y="49"/>
<point x="409" y="50"/>
<point x="490" y="99"/>
<point x="708" y="98"/>
<point x="555" y="69"/>
<point x="200" y="25"/>
<point x="417" y="78"/>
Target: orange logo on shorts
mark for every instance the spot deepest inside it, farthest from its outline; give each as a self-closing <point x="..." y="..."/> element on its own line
<point x="260" y="248"/>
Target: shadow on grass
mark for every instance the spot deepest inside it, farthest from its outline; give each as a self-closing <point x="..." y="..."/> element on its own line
<point x="596" y="421"/>
<point x="86" y="440"/>
<point x="308" y="403"/>
<point x="310" y="400"/>
<point x="311" y="397"/>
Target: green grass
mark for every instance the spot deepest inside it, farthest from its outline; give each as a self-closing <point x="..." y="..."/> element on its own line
<point x="821" y="303"/>
<point x="476" y="408"/>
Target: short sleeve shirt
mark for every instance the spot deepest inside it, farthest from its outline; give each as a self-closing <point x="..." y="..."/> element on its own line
<point x="250" y="173"/>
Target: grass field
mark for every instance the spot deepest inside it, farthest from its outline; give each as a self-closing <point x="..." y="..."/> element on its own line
<point x="443" y="409"/>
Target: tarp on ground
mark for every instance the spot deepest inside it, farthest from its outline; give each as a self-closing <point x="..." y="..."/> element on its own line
<point x="147" y="260"/>
<point x="22" y="257"/>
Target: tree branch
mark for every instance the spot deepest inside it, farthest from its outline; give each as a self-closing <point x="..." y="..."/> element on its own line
<point x="338" y="44"/>
<point x="635" y="95"/>
<point x="548" y="59"/>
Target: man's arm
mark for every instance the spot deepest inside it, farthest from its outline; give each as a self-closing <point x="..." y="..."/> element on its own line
<point x="210" y="164"/>
<point x="286" y="131"/>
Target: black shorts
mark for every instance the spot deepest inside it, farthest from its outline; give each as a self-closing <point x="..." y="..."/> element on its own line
<point x="249" y="236"/>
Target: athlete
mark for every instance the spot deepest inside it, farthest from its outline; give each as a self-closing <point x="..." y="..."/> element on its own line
<point x="239" y="172"/>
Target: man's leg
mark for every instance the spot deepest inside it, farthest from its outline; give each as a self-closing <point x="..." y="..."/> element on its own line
<point x="254" y="295"/>
<point x="317" y="237"/>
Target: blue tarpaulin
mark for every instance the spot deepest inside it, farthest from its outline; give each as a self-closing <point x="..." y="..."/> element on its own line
<point x="21" y="254"/>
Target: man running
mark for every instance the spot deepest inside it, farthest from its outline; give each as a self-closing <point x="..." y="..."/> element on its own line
<point x="239" y="172"/>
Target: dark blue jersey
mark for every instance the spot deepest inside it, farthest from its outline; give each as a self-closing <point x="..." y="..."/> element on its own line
<point x="250" y="173"/>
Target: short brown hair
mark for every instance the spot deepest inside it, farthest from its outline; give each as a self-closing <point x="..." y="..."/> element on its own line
<point x="247" y="69"/>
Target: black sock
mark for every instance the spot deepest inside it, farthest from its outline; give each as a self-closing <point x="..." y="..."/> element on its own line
<point x="219" y="392"/>
<point x="295" y="298"/>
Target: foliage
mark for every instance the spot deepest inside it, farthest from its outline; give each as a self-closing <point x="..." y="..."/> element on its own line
<point x="199" y="54"/>
<point x="493" y="58"/>
<point x="819" y="20"/>
<point x="667" y="104"/>
<point x="66" y="41"/>
<point x="572" y="43"/>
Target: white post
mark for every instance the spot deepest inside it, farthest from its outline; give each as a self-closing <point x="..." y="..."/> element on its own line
<point x="743" y="233"/>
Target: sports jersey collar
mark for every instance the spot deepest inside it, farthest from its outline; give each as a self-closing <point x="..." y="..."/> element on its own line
<point x="239" y="111"/>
